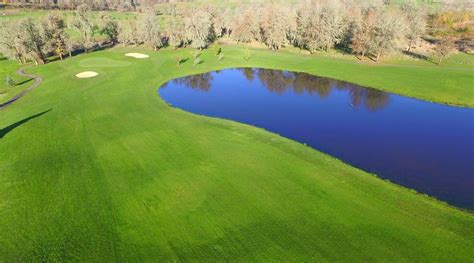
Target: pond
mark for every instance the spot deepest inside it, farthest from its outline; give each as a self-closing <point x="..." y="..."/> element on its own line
<point x="421" y="145"/>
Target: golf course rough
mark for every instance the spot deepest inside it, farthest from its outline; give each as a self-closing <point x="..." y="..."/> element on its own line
<point x="112" y="173"/>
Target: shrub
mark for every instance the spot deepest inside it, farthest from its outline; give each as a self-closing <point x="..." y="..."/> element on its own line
<point x="10" y="81"/>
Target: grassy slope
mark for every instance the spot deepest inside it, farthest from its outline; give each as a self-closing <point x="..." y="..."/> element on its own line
<point x="113" y="172"/>
<point x="9" y="68"/>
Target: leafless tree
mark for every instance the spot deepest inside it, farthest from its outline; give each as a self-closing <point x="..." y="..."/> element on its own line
<point x="82" y="21"/>
<point x="150" y="31"/>
<point x="31" y="41"/>
<point x="198" y="28"/>
<point x="175" y="33"/>
<point x="109" y="27"/>
<point x="416" y="22"/>
<point x="320" y="26"/>
<point x="444" y="48"/>
<point x="364" y="25"/>
<point x="222" y="22"/>
<point x="55" y="35"/>
<point x="10" y="40"/>
<point x="275" y="26"/>
<point x="387" y="33"/>
<point x="246" y="26"/>
<point x="128" y="32"/>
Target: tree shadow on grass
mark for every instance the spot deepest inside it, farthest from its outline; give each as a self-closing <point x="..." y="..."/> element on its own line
<point x="24" y="81"/>
<point x="417" y="56"/>
<point x="9" y="128"/>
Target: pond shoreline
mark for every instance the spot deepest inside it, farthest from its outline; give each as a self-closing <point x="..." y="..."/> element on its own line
<point x="321" y="145"/>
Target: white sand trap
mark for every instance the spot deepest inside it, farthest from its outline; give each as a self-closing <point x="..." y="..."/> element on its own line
<point x="87" y="74"/>
<point x="136" y="55"/>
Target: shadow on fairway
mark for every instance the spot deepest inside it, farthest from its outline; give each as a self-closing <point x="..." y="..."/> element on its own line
<point x="8" y="129"/>
<point x="23" y="82"/>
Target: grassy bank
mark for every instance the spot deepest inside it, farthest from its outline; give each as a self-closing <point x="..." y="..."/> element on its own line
<point x="109" y="171"/>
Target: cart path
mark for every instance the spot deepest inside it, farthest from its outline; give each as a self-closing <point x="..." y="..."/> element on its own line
<point x="37" y="80"/>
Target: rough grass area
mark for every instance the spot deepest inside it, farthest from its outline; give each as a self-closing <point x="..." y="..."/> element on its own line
<point x="102" y="169"/>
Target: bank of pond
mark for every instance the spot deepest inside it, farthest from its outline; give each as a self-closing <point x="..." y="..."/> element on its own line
<point x="425" y="146"/>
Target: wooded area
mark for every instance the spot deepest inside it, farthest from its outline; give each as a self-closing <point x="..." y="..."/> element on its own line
<point x="366" y="29"/>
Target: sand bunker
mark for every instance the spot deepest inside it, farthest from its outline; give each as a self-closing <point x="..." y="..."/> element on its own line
<point x="136" y="55"/>
<point x="87" y="74"/>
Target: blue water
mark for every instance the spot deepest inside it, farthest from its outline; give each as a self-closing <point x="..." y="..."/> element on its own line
<point x="421" y="145"/>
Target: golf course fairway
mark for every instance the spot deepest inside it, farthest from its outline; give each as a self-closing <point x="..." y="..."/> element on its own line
<point x="102" y="169"/>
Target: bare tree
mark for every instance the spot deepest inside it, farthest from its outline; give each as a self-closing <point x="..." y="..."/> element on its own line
<point x="82" y="21"/>
<point x="198" y="28"/>
<point x="363" y="28"/>
<point x="320" y="26"/>
<point x="150" y="30"/>
<point x="246" y="26"/>
<point x="109" y="27"/>
<point x="222" y="22"/>
<point x="377" y="31"/>
<point x="175" y="33"/>
<point x="10" y="40"/>
<point x="128" y="32"/>
<point x="443" y="49"/>
<point x="70" y="46"/>
<point x="55" y="35"/>
<point x="387" y="33"/>
<point x="274" y="26"/>
<point x="31" y="41"/>
<point x="416" y="22"/>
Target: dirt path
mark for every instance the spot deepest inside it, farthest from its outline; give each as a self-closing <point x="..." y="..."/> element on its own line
<point x="37" y="80"/>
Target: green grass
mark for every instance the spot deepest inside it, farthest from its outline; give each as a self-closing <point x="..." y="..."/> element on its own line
<point x="112" y="172"/>
<point x="9" y="68"/>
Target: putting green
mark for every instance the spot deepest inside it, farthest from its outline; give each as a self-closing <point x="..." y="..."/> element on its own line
<point x="105" y="170"/>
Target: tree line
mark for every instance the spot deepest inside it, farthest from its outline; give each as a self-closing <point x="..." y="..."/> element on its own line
<point x="120" y="5"/>
<point x="369" y="30"/>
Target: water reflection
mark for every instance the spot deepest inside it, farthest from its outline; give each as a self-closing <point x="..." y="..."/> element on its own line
<point x="421" y="145"/>
<point x="279" y="82"/>
<point x="197" y="82"/>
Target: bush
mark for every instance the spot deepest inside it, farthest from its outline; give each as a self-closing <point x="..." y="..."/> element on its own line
<point x="197" y="61"/>
<point x="10" y="81"/>
<point x="247" y="55"/>
<point x="178" y="60"/>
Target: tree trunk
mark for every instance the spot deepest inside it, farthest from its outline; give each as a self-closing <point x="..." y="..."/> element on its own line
<point x="378" y="57"/>
<point x="40" y="60"/>
<point x="440" y="59"/>
<point x="61" y="56"/>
